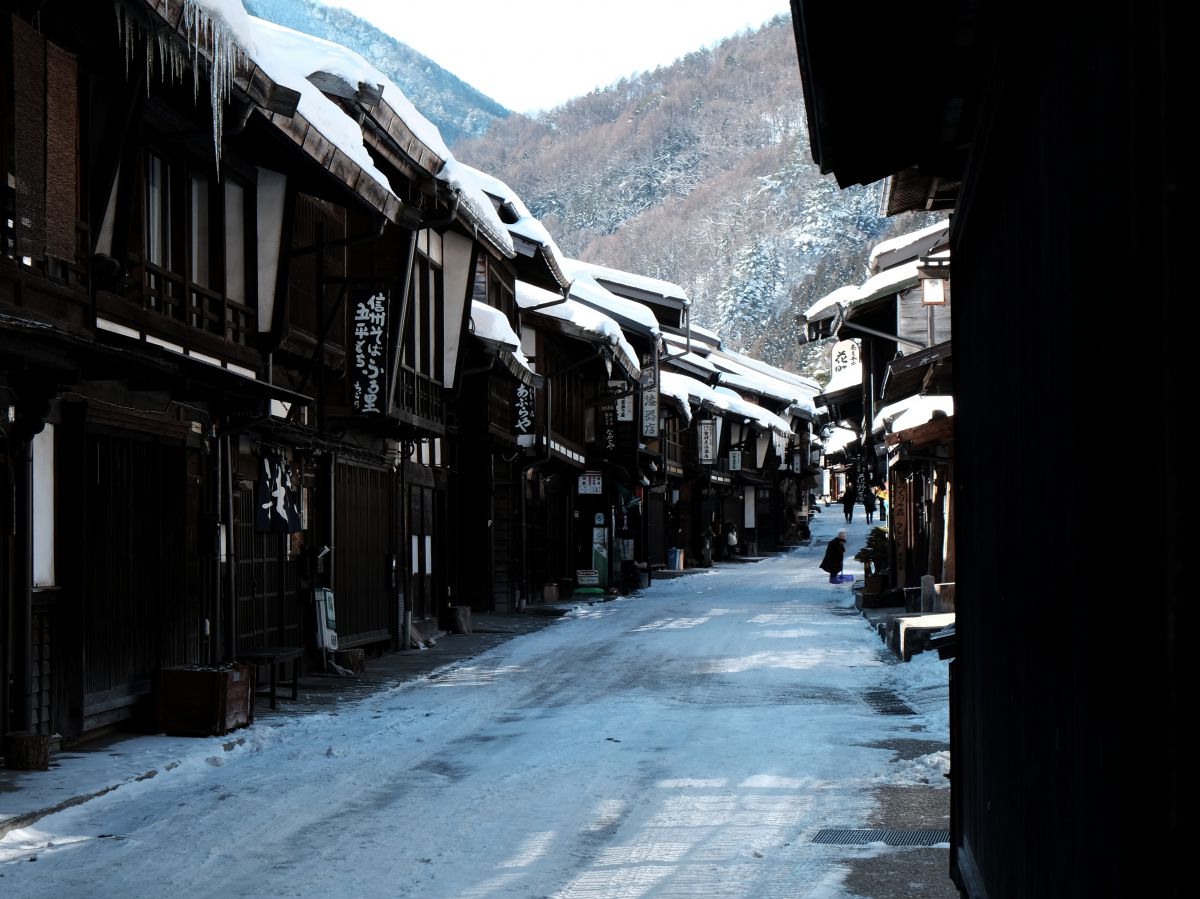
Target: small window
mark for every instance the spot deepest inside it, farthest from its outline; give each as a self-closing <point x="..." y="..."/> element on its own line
<point x="201" y="229"/>
<point x="158" y="212"/>
<point x="235" y="242"/>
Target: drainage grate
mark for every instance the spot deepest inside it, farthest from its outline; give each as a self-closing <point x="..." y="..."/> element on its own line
<point x="847" y="836"/>
<point x="888" y="703"/>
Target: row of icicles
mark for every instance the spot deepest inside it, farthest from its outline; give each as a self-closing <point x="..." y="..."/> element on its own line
<point x="174" y="56"/>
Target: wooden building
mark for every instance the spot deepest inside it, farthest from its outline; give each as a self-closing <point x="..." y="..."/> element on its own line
<point x="896" y="330"/>
<point x="223" y="338"/>
<point x="1055" y="693"/>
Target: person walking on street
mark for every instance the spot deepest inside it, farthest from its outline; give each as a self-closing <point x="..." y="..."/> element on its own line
<point x="881" y="498"/>
<point x="835" y="552"/>
<point x="848" y="499"/>
<point x="868" y="501"/>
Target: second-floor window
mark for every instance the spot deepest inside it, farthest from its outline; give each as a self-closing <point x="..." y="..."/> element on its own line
<point x="196" y="248"/>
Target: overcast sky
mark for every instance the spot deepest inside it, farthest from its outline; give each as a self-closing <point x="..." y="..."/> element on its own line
<point x="539" y="53"/>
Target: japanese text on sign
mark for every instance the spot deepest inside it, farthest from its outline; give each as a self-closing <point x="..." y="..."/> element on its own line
<point x="706" y="432"/>
<point x="370" y="318"/>
<point x="649" y="397"/>
<point x="591" y="482"/>
<point x="524" y="409"/>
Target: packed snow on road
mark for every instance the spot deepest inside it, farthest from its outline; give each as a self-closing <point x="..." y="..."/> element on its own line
<point x="688" y="740"/>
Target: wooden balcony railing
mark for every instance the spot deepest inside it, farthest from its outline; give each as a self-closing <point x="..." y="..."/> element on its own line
<point x="420" y="396"/>
<point x="170" y="295"/>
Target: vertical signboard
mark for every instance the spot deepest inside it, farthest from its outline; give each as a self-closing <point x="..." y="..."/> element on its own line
<point x="650" y="395"/>
<point x="523" y="412"/>
<point x="624" y="403"/>
<point x="370" y="319"/>
<point x="845" y="358"/>
<point x="706" y="434"/>
<point x="735" y="460"/>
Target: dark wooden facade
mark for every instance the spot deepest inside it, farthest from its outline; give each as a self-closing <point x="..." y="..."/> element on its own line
<point x="1078" y="147"/>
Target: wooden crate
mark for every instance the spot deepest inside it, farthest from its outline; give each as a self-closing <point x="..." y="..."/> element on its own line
<point x="201" y="702"/>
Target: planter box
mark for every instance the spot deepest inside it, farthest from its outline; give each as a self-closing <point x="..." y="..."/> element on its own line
<point x="874" y="583"/>
<point x="203" y="702"/>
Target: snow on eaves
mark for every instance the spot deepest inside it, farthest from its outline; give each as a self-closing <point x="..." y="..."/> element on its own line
<point x="465" y="182"/>
<point x="585" y="289"/>
<point x="587" y="322"/>
<point x="897" y="243"/>
<point x="491" y="326"/>
<point x="839" y="438"/>
<point x="665" y="289"/>
<point x="721" y="400"/>
<point x="891" y="280"/>
<point x="824" y="307"/>
<point x="912" y="411"/>
<point x="527" y="227"/>
<point x="288" y="57"/>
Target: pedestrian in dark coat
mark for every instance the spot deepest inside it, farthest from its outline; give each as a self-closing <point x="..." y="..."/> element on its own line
<point x="835" y="552"/>
<point x="848" y="499"/>
<point x="869" y="504"/>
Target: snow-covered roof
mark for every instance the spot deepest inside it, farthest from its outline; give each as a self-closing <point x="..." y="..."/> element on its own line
<point x="464" y="180"/>
<point x="643" y="283"/>
<point x="491" y="326"/>
<point x="527" y="227"/>
<point x="628" y="312"/>
<point x="581" y="321"/>
<point x="893" y="244"/>
<point x="739" y="374"/>
<point x="911" y="411"/>
<point x="677" y="349"/>
<point x="709" y="336"/>
<point x="721" y="400"/>
<point x="839" y="439"/>
<point x="824" y="307"/>
<point x="292" y="59"/>
<point x="892" y="280"/>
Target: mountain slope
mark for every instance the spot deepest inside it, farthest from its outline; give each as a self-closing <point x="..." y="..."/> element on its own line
<point x="700" y="173"/>
<point x="457" y="109"/>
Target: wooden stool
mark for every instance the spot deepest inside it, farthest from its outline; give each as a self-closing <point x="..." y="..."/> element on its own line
<point x="277" y="658"/>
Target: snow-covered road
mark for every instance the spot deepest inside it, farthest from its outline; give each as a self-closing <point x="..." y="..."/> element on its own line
<point x="688" y="741"/>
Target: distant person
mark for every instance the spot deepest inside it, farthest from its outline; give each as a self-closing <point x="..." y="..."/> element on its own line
<point x="869" y="504"/>
<point x="848" y="499"/>
<point x="731" y="540"/>
<point x="881" y="498"/>
<point x="835" y="552"/>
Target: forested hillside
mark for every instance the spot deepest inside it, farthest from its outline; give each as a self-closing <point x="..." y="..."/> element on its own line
<point x="700" y="173"/>
<point x="455" y="107"/>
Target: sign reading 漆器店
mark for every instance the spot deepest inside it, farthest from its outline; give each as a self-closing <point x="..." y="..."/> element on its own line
<point x="649" y="397"/>
<point x="369" y="342"/>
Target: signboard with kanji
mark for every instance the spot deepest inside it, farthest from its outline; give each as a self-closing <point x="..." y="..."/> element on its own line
<point x="368" y="341"/>
<point x="707" y="435"/>
<point x="735" y="460"/>
<point x="649" y="397"/>
<point x="591" y="482"/>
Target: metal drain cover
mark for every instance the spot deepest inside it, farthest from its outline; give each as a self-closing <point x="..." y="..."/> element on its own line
<point x="886" y="702"/>
<point x="846" y="836"/>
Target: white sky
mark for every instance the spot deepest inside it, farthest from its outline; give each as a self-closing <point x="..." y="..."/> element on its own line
<point x="686" y="741"/>
<point x="539" y="53"/>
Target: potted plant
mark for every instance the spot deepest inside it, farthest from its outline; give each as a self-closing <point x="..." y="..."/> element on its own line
<point x="874" y="555"/>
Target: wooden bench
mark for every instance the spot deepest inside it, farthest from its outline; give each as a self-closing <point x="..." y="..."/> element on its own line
<point x="277" y="658"/>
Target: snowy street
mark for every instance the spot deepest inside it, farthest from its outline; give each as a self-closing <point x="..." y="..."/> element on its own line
<point x="687" y="741"/>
